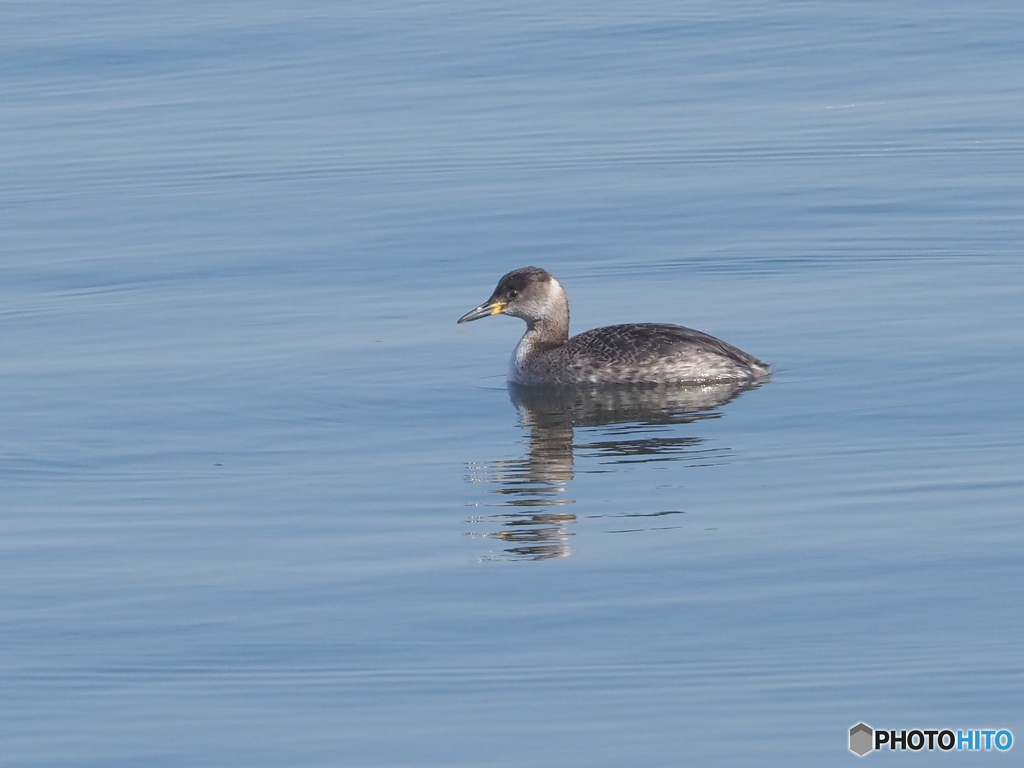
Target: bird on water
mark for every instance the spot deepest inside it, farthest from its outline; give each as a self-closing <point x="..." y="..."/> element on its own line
<point x="634" y="353"/>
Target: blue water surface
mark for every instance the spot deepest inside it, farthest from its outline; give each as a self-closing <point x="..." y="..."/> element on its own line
<point x="263" y="503"/>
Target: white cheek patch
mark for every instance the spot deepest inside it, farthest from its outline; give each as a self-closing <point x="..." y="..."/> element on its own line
<point x="553" y="296"/>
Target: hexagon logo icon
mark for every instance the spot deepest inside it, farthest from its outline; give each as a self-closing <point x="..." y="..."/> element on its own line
<point x="861" y="739"/>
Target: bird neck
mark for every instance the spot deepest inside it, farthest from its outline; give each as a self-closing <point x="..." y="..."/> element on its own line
<point x="551" y="330"/>
<point x="550" y="325"/>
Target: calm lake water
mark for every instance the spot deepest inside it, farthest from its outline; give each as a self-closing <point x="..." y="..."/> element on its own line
<point x="265" y="504"/>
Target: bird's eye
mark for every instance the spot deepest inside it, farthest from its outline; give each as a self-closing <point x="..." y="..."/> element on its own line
<point x="513" y="293"/>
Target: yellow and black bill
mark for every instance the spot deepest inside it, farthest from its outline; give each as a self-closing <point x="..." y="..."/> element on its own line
<point x="492" y="307"/>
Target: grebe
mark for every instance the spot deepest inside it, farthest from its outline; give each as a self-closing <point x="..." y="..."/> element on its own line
<point x="635" y="353"/>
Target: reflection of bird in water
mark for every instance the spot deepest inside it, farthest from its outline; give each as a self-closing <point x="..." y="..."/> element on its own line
<point x="635" y="423"/>
<point x="635" y="353"/>
<point x="599" y="406"/>
<point x="634" y="418"/>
